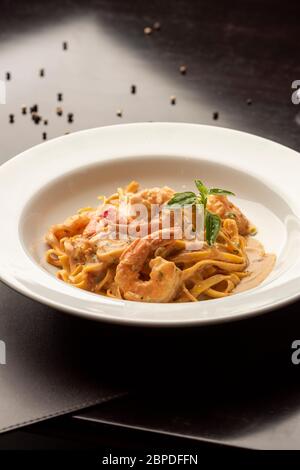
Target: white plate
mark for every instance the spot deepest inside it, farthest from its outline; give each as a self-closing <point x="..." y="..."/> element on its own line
<point x="45" y="184"/>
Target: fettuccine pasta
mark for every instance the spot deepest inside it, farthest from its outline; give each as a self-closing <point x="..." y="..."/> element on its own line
<point x="154" y="269"/>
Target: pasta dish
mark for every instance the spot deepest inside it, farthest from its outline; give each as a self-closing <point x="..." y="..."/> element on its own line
<point x="95" y="250"/>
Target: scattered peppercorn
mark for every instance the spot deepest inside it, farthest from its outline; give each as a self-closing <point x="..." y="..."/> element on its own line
<point x="173" y="100"/>
<point x="119" y="113"/>
<point x="36" y="118"/>
<point x="157" y="26"/>
<point x="42" y="72"/>
<point x="34" y="108"/>
<point x="70" y="117"/>
<point x="8" y="75"/>
<point x="59" y="111"/>
<point x="44" y="135"/>
<point x="46" y="122"/>
<point x="215" y="115"/>
<point x="65" y="45"/>
<point x="147" y="31"/>
<point x="183" y="69"/>
<point x="24" y="110"/>
<point x="133" y="89"/>
<point x="67" y="132"/>
<point x="249" y="101"/>
<point x="59" y="96"/>
<point x="11" y="118"/>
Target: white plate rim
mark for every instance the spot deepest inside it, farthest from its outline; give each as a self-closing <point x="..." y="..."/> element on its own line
<point x="148" y="131"/>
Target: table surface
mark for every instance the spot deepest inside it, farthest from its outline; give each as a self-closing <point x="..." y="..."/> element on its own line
<point x="241" y="60"/>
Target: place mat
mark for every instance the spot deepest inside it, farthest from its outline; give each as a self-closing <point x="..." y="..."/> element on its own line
<point x="268" y="423"/>
<point x="232" y="384"/>
<point x="52" y="363"/>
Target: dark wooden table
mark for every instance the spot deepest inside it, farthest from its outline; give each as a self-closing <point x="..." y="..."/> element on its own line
<point x="241" y="59"/>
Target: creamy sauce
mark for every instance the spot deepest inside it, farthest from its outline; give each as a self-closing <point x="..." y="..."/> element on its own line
<point x="260" y="265"/>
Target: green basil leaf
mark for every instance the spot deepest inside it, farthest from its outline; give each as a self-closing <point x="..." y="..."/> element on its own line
<point x="219" y="191"/>
<point x="212" y="226"/>
<point x="200" y="186"/>
<point x="183" y="199"/>
<point x="203" y="190"/>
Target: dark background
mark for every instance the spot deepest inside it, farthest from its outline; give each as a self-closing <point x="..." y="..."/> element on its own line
<point x="234" y="51"/>
<point x="232" y="383"/>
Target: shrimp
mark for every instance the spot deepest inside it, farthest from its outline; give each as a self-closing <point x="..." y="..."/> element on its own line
<point x="165" y="277"/>
<point x="153" y="196"/>
<point x="99" y="220"/>
<point x="225" y="209"/>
